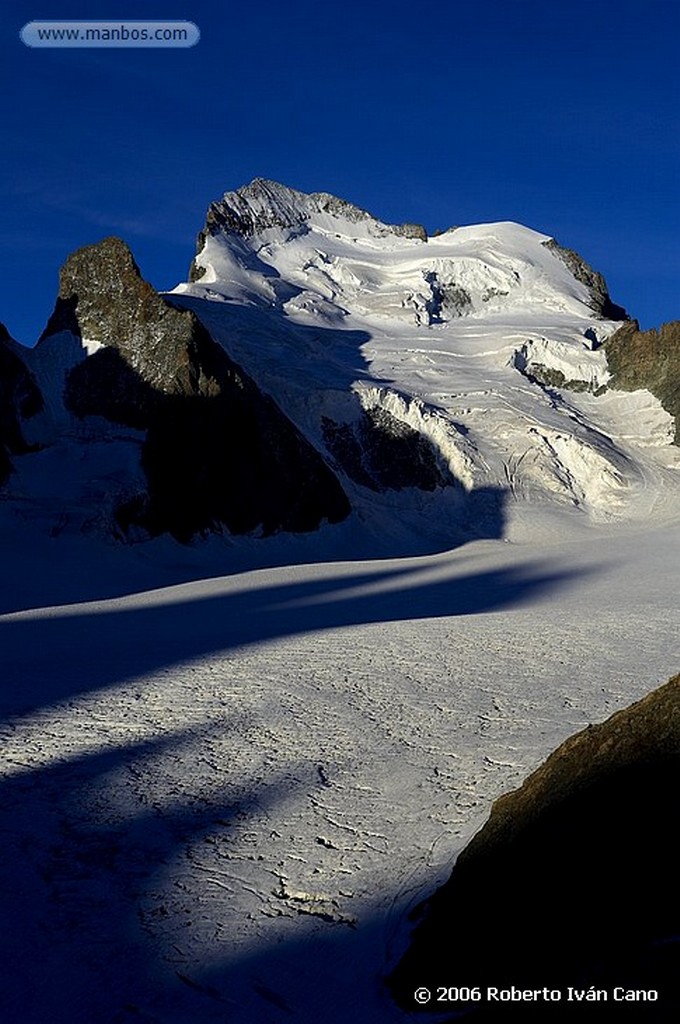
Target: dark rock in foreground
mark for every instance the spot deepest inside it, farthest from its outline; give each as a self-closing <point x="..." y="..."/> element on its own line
<point x="217" y="452"/>
<point x="573" y="881"/>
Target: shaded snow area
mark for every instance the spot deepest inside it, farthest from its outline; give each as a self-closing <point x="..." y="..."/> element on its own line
<point x="222" y="797"/>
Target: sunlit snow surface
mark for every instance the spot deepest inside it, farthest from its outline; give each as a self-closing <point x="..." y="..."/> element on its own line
<point x="222" y="795"/>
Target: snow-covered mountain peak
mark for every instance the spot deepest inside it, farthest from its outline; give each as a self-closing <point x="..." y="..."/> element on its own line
<point x="314" y="255"/>
<point x="488" y="340"/>
<point x="263" y="205"/>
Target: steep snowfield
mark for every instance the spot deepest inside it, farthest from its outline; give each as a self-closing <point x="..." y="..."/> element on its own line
<point x="224" y="787"/>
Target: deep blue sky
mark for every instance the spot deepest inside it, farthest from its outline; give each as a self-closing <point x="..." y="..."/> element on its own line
<point x="562" y="115"/>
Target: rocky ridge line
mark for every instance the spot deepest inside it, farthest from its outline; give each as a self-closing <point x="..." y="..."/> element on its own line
<point x="264" y="204"/>
<point x="592" y="279"/>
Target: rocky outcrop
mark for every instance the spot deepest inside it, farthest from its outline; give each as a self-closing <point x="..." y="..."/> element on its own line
<point x="601" y="303"/>
<point x="550" y="377"/>
<point x="648" y="359"/>
<point x="20" y="399"/>
<point x="216" y="451"/>
<point x="572" y="881"/>
<point x="448" y="299"/>
<point x="383" y="453"/>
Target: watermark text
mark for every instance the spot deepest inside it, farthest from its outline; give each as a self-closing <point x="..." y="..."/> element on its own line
<point x="115" y="34"/>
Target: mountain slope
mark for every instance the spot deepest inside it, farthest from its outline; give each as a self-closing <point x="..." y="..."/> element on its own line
<point x="224" y="790"/>
<point x="651" y="360"/>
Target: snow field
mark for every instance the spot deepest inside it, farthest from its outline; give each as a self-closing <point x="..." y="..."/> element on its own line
<point x="243" y="823"/>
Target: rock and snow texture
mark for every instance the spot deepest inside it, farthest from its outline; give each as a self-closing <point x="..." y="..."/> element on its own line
<point x="648" y="359"/>
<point x="320" y="255"/>
<point x="487" y="340"/>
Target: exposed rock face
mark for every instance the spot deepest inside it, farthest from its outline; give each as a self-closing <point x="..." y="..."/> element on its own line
<point x="648" y="359"/>
<point x="573" y="880"/>
<point x="448" y="299"/>
<point x="217" y="451"/>
<point x="382" y="453"/>
<point x="550" y="376"/>
<point x="267" y="204"/>
<point x="20" y="399"/>
<point x="593" y="279"/>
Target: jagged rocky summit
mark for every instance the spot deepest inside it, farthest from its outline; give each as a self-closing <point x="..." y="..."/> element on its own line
<point x="320" y="362"/>
<point x="265" y="204"/>
<point x="572" y="880"/>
